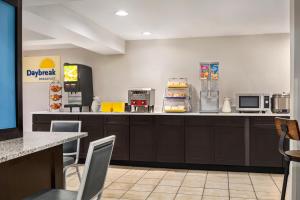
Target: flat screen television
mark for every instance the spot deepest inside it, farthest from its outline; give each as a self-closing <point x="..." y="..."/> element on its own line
<point x="10" y="70"/>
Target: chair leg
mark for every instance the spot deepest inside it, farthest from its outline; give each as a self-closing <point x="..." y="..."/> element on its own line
<point x="65" y="177"/>
<point x="285" y="180"/>
<point x="78" y="173"/>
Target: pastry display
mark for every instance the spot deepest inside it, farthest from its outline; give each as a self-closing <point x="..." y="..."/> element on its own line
<point x="55" y="88"/>
<point x="55" y="106"/>
<point x="179" y="93"/>
<point x="55" y="96"/>
<point x="177" y="83"/>
<point x="177" y="96"/>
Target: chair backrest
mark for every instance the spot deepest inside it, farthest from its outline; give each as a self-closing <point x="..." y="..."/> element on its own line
<point x="71" y="148"/>
<point x="96" y="166"/>
<point x="289" y="125"/>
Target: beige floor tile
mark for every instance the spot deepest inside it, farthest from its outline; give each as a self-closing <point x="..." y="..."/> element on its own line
<point x="136" y="172"/>
<point x="242" y="194"/>
<point x="193" y="178"/>
<point x="107" y="183"/>
<point x="170" y="182"/>
<point x="191" y="191"/>
<point x="243" y="180"/>
<point x="187" y="197"/>
<point x="265" y="188"/>
<point x="149" y="181"/>
<point x="143" y="188"/>
<point x="196" y="172"/>
<point x="194" y="175"/>
<point x="120" y="179"/>
<point x="154" y="174"/>
<point x="128" y="179"/>
<point x="166" y="189"/>
<point x="239" y="186"/>
<point x="216" y="185"/>
<point x="174" y="176"/>
<point x="259" y="174"/>
<point x="120" y="186"/>
<point x="217" y="179"/>
<point x="214" y="198"/>
<point x="161" y="196"/>
<point x="113" y="193"/>
<point x="268" y="195"/>
<point x="216" y="192"/>
<point x="193" y="183"/>
<point x="134" y="195"/>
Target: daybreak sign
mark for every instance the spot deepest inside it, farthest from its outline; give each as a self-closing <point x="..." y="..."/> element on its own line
<point x="41" y="69"/>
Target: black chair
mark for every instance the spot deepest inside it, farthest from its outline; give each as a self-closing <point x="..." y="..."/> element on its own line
<point x="95" y="170"/>
<point x="70" y="149"/>
<point x="287" y="129"/>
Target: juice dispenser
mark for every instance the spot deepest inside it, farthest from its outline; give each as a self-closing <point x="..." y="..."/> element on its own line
<point x="78" y="83"/>
<point x="209" y="94"/>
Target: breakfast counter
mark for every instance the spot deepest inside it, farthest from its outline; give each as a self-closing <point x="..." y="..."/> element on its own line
<point x="268" y="114"/>
<point x="32" y="163"/>
<point x="246" y="140"/>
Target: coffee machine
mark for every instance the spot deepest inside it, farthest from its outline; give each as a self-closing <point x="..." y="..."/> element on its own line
<point x="78" y="84"/>
<point x="141" y="100"/>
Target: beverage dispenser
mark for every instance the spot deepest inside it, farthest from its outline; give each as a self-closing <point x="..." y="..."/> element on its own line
<point x="209" y="94"/>
<point x="78" y="83"/>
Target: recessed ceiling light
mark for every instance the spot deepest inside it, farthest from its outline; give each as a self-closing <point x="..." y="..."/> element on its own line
<point x="146" y="33"/>
<point x="121" y="13"/>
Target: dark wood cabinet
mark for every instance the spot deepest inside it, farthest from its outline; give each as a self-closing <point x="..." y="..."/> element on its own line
<point x="170" y="139"/>
<point x="118" y="125"/>
<point x="199" y="142"/>
<point x="94" y="126"/>
<point x="43" y="122"/>
<point x="209" y="140"/>
<point x="142" y="138"/>
<point x="264" y="143"/>
<point x="215" y="140"/>
<point x="229" y="145"/>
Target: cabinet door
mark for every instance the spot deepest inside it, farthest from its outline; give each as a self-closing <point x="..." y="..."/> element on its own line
<point x="93" y="124"/>
<point x="199" y="145"/>
<point x="264" y="143"/>
<point x="42" y="122"/>
<point x="142" y="140"/>
<point x="121" y="147"/>
<point x="229" y="145"/>
<point x="170" y="139"/>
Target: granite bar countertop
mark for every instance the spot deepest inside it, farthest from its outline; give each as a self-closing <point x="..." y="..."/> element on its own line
<point x="33" y="142"/>
<point x="268" y="114"/>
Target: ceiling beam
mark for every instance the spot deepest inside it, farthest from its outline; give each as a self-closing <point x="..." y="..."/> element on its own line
<point x="31" y="3"/>
<point x="73" y="29"/>
<point x="45" y="44"/>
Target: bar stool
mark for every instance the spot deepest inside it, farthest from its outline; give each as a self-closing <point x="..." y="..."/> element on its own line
<point x="70" y="149"/>
<point x="94" y="175"/>
<point x="287" y="129"/>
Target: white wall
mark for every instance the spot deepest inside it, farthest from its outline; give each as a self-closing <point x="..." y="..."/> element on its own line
<point x="258" y="63"/>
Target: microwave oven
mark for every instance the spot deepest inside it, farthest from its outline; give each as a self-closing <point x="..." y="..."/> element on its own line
<point x="253" y="103"/>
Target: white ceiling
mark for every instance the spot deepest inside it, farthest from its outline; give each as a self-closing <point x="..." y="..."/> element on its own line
<point x="187" y="18"/>
<point x="164" y="18"/>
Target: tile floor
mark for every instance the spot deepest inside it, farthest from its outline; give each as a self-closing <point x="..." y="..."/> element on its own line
<point x="136" y="183"/>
